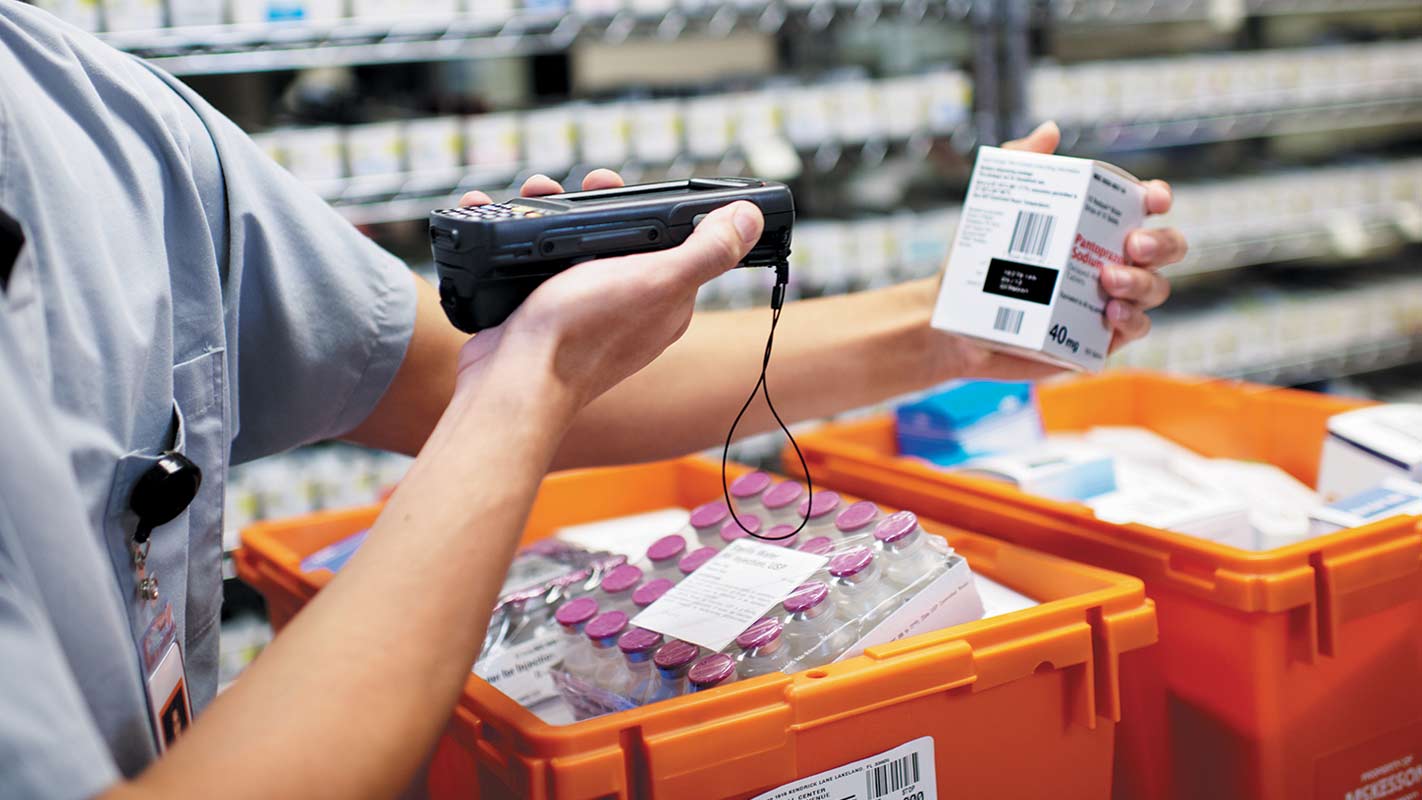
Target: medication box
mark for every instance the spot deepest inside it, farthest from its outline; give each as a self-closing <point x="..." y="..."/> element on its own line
<point x="968" y="420"/>
<point x="1025" y="271"/>
<point x="1367" y="446"/>
<point x="1392" y="499"/>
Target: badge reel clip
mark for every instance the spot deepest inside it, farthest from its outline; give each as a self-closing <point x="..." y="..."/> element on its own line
<point x="160" y="495"/>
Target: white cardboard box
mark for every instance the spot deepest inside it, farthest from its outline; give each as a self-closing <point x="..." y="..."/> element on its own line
<point x="1394" y="497"/>
<point x="1367" y="446"/>
<point x="1025" y="271"/>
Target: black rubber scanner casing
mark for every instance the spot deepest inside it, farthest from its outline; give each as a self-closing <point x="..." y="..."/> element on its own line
<point x="490" y="258"/>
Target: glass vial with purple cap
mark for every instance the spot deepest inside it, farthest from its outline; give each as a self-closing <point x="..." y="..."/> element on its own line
<point x="615" y="591"/>
<point x="649" y="593"/>
<point x="861" y="593"/>
<point x="822" y="509"/>
<point x="671" y="662"/>
<point x="663" y="555"/>
<point x="905" y="550"/>
<point x="717" y="669"/>
<point x="572" y="617"/>
<point x="692" y="561"/>
<point x="857" y="520"/>
<point x="745" y="493"/>
<point x="763" y="649"/>
<point x="812" y="632"/>
<point x="705" y="523"/>
<point x="637" y="646"/>
<point x="732" y="529"/>
<point x="608" y="669"/>
<point x="782" y="503"/>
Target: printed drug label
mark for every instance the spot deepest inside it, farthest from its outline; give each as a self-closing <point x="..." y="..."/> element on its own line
<point x="725" y="595"/>
<point x="904" y="773"/>
<point x="1025" y="273"/>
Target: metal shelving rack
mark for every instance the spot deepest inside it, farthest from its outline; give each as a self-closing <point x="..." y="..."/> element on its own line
<point x="1029" y="25"/>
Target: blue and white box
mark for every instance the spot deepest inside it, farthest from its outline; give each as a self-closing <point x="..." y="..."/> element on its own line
<point x="1393" y="498"/>
<point x="1367" y="446"/>
<point x="967" y="420"/>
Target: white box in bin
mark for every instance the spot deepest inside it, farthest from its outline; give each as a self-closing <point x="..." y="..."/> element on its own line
<point x="1367" y="446"/>
<point x="1025" y="271"/>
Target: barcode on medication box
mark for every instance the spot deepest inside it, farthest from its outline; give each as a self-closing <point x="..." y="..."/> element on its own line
<point x="1031" y="234"/>
<point x="1008" y="321"/>
<point x="891" y="778"/>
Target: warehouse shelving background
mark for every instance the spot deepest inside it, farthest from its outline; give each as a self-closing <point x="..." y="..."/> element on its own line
<point x="1292" y="130"/>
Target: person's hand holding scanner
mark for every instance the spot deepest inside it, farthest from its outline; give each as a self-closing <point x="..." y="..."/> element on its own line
<point x="604" y="320"/>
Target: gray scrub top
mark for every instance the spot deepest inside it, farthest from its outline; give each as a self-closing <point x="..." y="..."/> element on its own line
<point x="177" y="288"/>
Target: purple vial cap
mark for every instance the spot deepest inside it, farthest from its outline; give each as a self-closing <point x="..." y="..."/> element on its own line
<point x="712" y="669"/>
<point x="608" y="623"/>
<point x="782" y="494"/>
<point x="851" y="562"/>
<point x="760" y="634"/>
<point x="819" y="505"/>
<point x="820" y="546"/>
<point x="856" y="516"/>
<point x="639" y="640"/>
<point x="806" y="596"/>
<point x="781" y="536"/>
<point x="749" y="485"/>
<point x="731" y="531"/>
<point x="675" y="653"/>
<point x="576" y="612"/>
<point x="693" y="560"/>
<point x="650" y="592"/>
<point x="666" y="547"/>
<point x="896" y="526"/>
<point x="709" y="515"/>
<point x="622" y="578"/>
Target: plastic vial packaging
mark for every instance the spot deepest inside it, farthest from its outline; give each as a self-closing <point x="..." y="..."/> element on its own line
<point x="821" y="511"/>
<point x="671" y="661"/>
<point x="746" y="493"/>
<point x="574" y="584"/>
<point x="615" y="592"/>
<point x="606" y="667"/>
<point x="637" y="646"/>
<point x="861" y="593"/>
<point x="782" y="536"/>
<point x="732" y="529"/>
<point x="763" y="649"/>
<point x="904" y="550"/>
<point x="813" y="633"/>
<point x="717" y="669"/>
<point x="819" y="545"/>
<point x="650" y="592"/>
<point x="858" y="519"/>
<point x="692" y="561"/>
<point x="706" y="520"/>
<point x="663" y="556"/>
<point x="573" y="617"/>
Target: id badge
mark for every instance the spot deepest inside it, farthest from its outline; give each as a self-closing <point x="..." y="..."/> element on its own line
<point x="171" y="711"/>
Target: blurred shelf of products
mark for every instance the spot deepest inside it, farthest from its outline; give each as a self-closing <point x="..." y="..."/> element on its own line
<point x="1290" y="129"/>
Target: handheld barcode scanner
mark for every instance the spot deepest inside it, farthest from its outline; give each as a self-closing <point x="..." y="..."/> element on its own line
<point x="489" y="258"/>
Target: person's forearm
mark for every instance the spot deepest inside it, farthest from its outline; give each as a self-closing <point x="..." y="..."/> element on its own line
<point x="831" y="354"/>
<point x="353" y="694"/>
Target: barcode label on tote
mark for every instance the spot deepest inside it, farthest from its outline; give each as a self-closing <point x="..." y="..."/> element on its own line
<point x="892" y="778"/>
<point x="907" y="771"/>
<point x="1008" y="321"/>
<point x="1032" y="234"/>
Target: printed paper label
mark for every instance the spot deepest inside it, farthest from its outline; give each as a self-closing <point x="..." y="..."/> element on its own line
<point x="522" y="671"/>
<point x="725" y="595"/>
<point x="904" y="773"/>
<point x="951" y="599"/>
